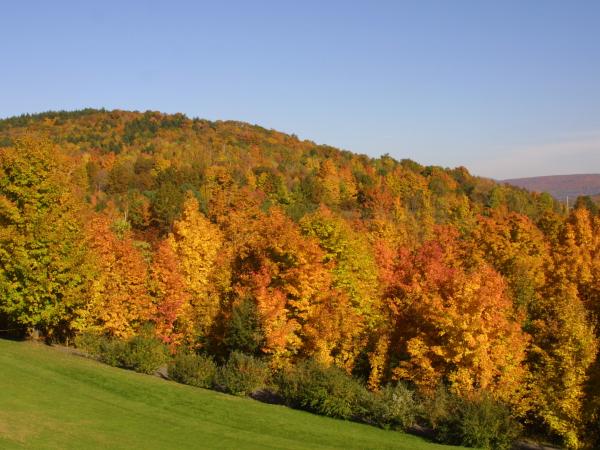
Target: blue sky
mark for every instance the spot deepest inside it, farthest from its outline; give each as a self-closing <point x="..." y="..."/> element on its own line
<point x="506" y="88"/>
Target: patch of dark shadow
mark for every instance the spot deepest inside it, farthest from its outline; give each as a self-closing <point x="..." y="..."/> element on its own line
<point x="267" y="396"/>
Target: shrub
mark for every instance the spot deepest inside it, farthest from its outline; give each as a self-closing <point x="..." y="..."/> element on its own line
<point x="111" y="351"/>
<point x="244" y="332"/>
<point x="323" y="390"/>
<point x="479" y="422"/>
<point x="487" y="423"/>
<point x="242" y="374"/>
<point x="105" y="349"/>
<point x="143" y="353"/>
<point x="393" y="406"/>
<point x="437" y="408"/>
<point x="88" y="342"/>
<point x="193" y="369"/>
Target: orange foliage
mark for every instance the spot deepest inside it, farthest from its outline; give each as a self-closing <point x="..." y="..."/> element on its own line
<point x="454" y="323"/>
<point x="119" y="303"/>
<point x="169" y="290"/>
<point x="284" y="274"/>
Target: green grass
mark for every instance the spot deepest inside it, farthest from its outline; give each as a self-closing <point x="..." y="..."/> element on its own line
<point x="50" y="398"/>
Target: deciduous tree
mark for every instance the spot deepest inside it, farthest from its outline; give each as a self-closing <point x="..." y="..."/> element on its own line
<point x="44" y="266"/>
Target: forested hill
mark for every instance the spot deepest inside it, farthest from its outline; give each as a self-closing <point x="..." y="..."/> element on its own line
<point x="561" y="186"/>
<point x="154" y="158"/>
<point x="227" y="238"/>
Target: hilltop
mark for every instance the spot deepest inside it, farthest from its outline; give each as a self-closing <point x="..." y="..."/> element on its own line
<point x="146" y="151"/>
<point x="561" y="186"/>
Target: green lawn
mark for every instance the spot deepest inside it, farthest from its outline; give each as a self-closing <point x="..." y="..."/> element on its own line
<point x="52" y="399"/>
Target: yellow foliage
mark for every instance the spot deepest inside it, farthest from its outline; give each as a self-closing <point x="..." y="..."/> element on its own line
<point x="196" y="242"/>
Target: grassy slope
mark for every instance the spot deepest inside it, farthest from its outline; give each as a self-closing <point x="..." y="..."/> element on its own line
<point x="53" y="399"/>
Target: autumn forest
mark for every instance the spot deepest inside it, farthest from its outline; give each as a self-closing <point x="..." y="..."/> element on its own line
<point x="226" y="237"/>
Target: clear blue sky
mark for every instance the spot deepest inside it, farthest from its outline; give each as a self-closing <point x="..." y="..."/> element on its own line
<point x="506" y="88"/>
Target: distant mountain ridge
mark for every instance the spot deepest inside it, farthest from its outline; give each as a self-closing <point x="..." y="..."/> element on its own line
<point x="560" y="186"/>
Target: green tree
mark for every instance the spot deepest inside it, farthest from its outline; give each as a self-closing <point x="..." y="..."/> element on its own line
<point x="43" y="268"/>
<point x="586" y="202"/>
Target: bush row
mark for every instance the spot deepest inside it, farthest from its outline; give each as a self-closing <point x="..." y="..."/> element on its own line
<point x="241" y="375"/>
<point x="479" y="421"/>
<point x="476" y="422"/>
<point x="331" y="392"/>
<point x="142" y="353"/>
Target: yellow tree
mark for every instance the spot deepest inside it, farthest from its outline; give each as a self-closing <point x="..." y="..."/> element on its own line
<point x="329" y="183"/>
<point x="564" y="343"/>
<point x="581" y="252"/>
<point x="44" y="269"/>
<point x="415" y="213"/>
<point x="354" y="274"/>
<point x="348" y="189"/>
<point x="517" y="249"/>
<point x="564" y="348"/>
<point x="197" y="242"/>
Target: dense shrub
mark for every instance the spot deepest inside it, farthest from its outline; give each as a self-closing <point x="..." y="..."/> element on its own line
<point x="478" y="422"/>
<point x="324" y="390"/>
<point x="143" y="353"/>
<point x="393" y="406"/>
<point x="193" y="369"/>
<point x="242" y="374"/>
<point x="106" y="349"/>
<point x="487" y="423"/>
<point x="88" y="342"/>
<point x="112" y="351"/>
<point x="244" y="332"/>
<point x="436" y="409"/>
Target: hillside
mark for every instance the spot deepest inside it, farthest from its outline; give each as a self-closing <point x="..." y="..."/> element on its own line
<point x="232" y="242"/>
<point x="153" y="157"/>
<point x="561" y="186"/>
<point x="52" y="399"/>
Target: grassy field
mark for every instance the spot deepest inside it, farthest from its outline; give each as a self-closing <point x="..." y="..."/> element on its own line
<point x="50" y="398"/>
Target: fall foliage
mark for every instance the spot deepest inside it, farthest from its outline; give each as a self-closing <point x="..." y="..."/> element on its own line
<point x="227" y="237"/>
